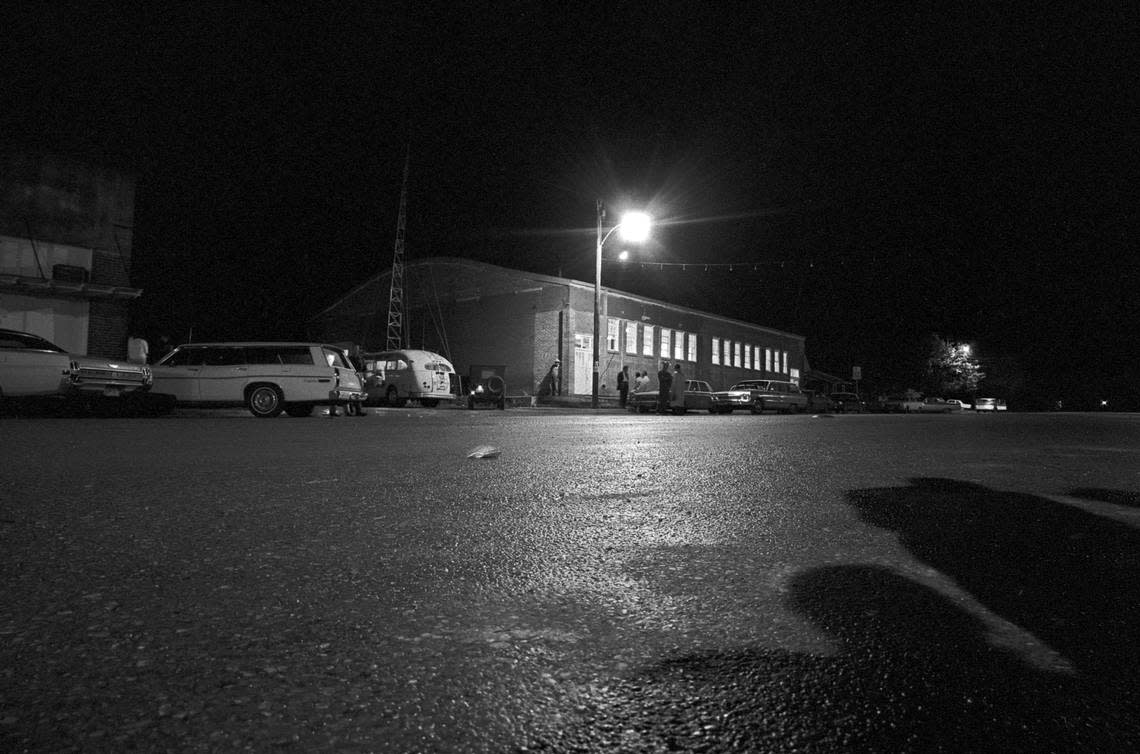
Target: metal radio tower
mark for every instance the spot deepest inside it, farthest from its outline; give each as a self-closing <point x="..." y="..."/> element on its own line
<point x="396" y="293"/>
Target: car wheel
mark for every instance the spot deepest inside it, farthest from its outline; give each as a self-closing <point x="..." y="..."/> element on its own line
<point x="265" y="401"/>
<point x="299" y="410"/>
<point x="394" y="398"/>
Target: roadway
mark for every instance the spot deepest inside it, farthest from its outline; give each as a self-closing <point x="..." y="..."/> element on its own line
<point x="604" y="582"/>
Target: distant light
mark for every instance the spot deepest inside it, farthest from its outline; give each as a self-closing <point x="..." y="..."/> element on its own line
<point x="635" y="226"/>
<point x="965" y="349"/>
<point x="1103" y="404"/>
<point x="623" y="255"/>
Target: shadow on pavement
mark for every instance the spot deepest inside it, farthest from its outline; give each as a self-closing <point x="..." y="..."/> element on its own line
<point x="1116" y="497"/>
<point x="913" y="670"/>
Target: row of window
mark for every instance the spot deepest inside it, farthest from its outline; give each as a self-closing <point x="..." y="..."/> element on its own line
<point x="678" y="345"/>
<point x="732" y="353"/>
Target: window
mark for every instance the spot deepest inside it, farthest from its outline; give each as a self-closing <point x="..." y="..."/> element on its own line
<point x="299" y="355"/>
<point x="665" y="343"/>
<point x="784" y="362"/>
<point x="692" y="350"/>
<point x="736" y="354"/>
<point x="678" y="346"/>
<point x="224" y="357"/>
<point x="747" y="357"/>
<point x="716" y="350"/>
<point x="727" y="352"/>
<point x="756" y="357"/>
<point x="631" y="338"/>
<point x="647" y="340"/>
<point x="613" y="331"/>
<point x="185" y="357"/>
<point x="768" y="360"/>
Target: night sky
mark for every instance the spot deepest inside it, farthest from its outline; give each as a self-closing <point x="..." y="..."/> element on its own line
<point x="870" y="175"/>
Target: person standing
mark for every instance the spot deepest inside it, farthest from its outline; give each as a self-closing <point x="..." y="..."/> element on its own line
<point x="641" y="384"/>
<point x="677" y="390"/>
<point x="664" y="383"/>
<point x="138" y="350"/>
<point x="623" y="386"/>
<point x="356" y="408"/>
<point x="555" y="377"/>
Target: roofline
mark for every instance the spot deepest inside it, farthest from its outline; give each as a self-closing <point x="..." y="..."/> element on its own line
<point x="428" y="261"/>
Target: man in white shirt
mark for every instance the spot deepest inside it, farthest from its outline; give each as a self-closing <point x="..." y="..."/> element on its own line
<point x="137" y="350"/>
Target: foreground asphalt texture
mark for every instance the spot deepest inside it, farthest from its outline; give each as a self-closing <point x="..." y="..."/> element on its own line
<point x="605" y="582"/>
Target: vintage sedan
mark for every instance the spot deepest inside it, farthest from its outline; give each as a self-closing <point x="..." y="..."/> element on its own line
<point x="761" y="395"/>
<point x="32" y="367"/>
<point x="698" y="397"/>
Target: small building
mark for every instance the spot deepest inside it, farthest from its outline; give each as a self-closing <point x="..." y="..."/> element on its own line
<point x="66" y="232"/>
<point x="478" y="313"/>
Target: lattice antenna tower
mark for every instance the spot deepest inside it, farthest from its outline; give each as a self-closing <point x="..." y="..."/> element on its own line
<point x="396" y="292"/>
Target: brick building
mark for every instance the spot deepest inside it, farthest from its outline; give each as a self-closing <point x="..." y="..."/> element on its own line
<point x="477" y="313"/>
<point x="66" y="231"/>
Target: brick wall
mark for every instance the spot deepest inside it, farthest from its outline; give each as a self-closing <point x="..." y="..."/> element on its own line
<point x="107" y="329"/>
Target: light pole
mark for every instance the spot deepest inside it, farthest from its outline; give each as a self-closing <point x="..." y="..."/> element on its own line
<point x="634" y="227"/>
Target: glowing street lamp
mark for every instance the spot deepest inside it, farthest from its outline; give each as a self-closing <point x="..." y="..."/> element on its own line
<point x="634" y="226"/>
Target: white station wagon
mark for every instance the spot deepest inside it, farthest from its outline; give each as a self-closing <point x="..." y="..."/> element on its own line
<point x="266" y="378"/>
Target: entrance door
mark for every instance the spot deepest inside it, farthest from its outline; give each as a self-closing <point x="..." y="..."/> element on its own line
<point x="583" y="364"/>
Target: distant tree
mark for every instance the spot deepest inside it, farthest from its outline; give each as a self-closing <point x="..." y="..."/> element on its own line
<point x="951" y="368"/>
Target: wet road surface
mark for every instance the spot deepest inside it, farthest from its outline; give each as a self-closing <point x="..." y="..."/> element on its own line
<point x="607" y="582"/>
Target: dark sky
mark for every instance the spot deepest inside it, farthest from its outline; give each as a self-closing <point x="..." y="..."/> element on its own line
<point x="965" y="170"/>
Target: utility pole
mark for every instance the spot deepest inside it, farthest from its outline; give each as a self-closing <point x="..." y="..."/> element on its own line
<point x="396" y="292"/>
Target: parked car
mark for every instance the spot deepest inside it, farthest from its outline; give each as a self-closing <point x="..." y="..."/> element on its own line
<point x="698" y="397"/>
<point x="989" y="404"/>
<point x="761" y="395"/>
<point x="818" y="403"/>
<point x="939" y="406"/>
<point x="394" y="377"/>
<point x="32" y="367"/>
<point x="266" y="378"/>
<point x="848" y="403"/>
<point x="901" y="404"/>
<point x="487" y="384"/>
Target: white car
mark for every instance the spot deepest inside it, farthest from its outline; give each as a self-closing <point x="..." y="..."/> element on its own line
<point x="266" y="378"/>
<point x="33" y="367"/>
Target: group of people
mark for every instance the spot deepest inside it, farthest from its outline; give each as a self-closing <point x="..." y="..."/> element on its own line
<point x="670" y="387"/>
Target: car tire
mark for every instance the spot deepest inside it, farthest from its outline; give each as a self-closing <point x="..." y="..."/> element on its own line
<point x="393" y="398"/>
<point x="265" y="401"/>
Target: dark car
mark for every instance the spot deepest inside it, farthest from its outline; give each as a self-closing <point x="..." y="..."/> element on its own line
<point x="847" y="403"/>
<point x="486" y="384"/>
<point x="698" y="397"/>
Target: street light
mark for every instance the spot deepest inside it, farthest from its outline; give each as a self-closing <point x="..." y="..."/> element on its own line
<point x="635" y="227"/>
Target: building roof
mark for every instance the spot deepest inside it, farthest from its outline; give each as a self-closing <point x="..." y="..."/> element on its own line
<point x="548" y="279"/>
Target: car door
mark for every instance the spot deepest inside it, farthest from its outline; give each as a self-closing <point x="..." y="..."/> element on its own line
<point x="31" y="366"/>
<point x="224" y="375"/>
<point x="179" y="373"/>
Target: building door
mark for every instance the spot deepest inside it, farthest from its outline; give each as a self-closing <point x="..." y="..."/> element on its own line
<point x="583" y="364"/>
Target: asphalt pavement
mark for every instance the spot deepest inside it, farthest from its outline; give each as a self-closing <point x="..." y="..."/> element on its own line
<point x="590" y="582"/>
